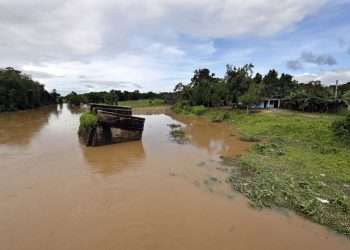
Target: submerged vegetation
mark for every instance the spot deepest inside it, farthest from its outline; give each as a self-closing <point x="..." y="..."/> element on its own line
<point x="177" y="134"/>
<point x="297" y="163"/>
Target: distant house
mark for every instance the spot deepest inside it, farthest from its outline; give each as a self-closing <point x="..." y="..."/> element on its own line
<point x="269" y="103"/>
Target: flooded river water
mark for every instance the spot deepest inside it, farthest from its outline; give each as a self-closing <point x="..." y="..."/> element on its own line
<point x="152" y="194"/>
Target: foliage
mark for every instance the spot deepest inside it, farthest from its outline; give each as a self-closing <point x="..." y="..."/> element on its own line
<point x="75" y="99"/>
<point x="88" y="120"/>
<point x="311" y="97"/>
<point x="143" y="103"/>
<point x="238" y="80"/>
<point x="198" y="110"/>
<point x="278" y="87"/>
<point x="341" y="129"/>
<point x="251" y="97"/>
<point x="346" y="97"/>
<point x="181" y="107"/>
<point x="299" y="166"/>
<point x="114" y="96"/>
<point x="241" y="86"/>
<point x="18" y="91"/>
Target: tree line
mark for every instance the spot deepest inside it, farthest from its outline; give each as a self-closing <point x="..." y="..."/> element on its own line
<point x="112" y="97"/>
<point x="241" y="87"/>
<point x="18" y="91"/>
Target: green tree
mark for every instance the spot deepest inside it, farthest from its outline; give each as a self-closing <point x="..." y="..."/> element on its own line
<point x="271" y="84"/>
<point x="346" y="98"/>
<point x="18" y="91"/>
<point x="237" y="80"/>
<point x="251" y="97"/>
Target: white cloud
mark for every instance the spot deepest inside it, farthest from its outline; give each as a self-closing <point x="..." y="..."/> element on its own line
<point x="82" y="27"/>
<point x="126" y="72"/>
<point x="326" y="77"/>
<point x="135" y="41"/>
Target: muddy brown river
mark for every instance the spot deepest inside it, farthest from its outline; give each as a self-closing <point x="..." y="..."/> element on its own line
<point x="152" y="194"/>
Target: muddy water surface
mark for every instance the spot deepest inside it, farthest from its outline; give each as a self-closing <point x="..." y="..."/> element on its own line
<point x="154" y="194"/>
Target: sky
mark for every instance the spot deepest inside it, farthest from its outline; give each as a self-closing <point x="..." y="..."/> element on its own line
<point x="150" y="45"/>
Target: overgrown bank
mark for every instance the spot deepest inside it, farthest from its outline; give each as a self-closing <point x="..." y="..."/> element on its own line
<point x="143" y="103"/>
<point x="296" y="163"/>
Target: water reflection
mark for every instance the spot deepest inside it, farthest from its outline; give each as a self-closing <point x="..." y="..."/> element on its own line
<point x="75" y="109"/>
<point x="110" y="159"/>
<point x="18" y="128"/>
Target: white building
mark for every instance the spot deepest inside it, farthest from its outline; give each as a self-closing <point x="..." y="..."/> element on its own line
<point x="269" y="103"/>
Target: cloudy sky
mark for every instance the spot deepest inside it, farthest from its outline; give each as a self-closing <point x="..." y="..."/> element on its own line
<point x="92" y="45"/>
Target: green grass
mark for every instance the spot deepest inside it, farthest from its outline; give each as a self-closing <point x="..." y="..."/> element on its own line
<point x="88" y="120"/>
<point x="142" y="103"/>
<point x="190" y="110"/>
<point x="301" y="165"/>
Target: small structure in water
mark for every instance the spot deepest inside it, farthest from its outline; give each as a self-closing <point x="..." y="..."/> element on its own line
<point x="112" y="124"/>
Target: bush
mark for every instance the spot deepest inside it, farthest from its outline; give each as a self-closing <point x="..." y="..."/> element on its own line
<point x="341" y="129"/>
<point x="198" y="110"/>
<point x="180" y="107"/>
<point x="88" y="120"/>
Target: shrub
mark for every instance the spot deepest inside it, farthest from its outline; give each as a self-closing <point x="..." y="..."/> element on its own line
<point x="88" y="120"/>
<point x="198" y="110"/>
<point x="180" y="107"/>
<point x="341" y="129"/>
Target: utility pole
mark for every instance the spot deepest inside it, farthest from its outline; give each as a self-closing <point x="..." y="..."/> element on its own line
<point x="336" y="90"/>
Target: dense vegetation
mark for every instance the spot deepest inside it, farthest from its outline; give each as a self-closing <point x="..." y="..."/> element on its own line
<point x="142" y="103"/>
<point x="297" y="162"/>
<point x="18" y="91"/>
<point x="341" y="129"/>
<point x="240" y="87"/>
<point x="114" y="96"/>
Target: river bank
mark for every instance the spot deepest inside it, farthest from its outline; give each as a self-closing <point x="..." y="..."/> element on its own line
<point x="295" y="163"/>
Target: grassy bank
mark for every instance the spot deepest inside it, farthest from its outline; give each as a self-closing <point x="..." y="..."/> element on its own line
<point x="142" y="103"/>
<point x="295" y="163"/>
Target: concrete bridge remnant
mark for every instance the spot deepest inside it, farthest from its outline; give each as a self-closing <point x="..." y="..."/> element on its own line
<point x="114" y="124"/>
